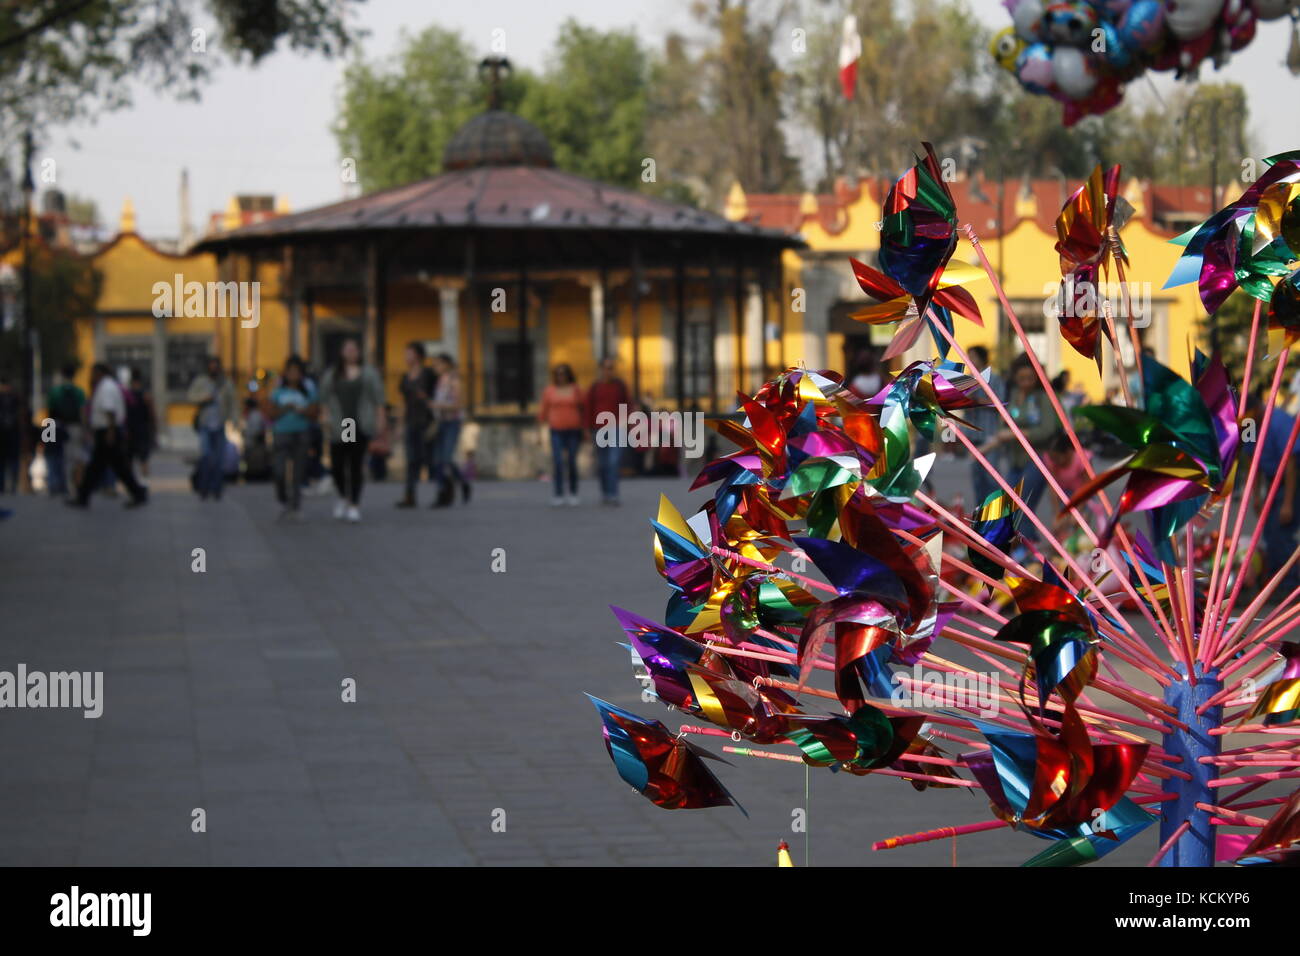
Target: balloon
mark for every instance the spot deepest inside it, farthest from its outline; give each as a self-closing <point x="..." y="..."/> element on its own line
<point x="1074" y="72"/>
<point x="1113" y="51"/>
<point x="1034" y="68"/>
<point x="1188" y="19"/>
<point x="1272" y="9"/>
<point x="1143" y="26"/>
<point x="1028" y="18"/>
<point x="1242" y="31"/>
<point x="1112" y="9"/>
<point x="1070" y="22"/>
<point x="1192" y="52"/>
<point x="1006" y="48"/>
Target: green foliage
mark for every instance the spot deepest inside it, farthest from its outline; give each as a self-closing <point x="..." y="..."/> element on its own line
<point x="396" y="117"/>
<point x="1232" y="329"/>
<point x="1199" y="131"/>
<point x="65" y="287"/>
<point x="591" y="103"/>
<point x="65" y="59"/>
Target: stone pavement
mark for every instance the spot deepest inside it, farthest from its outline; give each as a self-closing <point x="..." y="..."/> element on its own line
<point x="222" y="691"/>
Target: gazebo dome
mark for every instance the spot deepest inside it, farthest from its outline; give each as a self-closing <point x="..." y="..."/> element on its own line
<point x="497" y="138"/>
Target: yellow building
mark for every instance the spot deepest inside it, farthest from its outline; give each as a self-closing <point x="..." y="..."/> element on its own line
<point x="511" y="267"/>
<point x="1015" y="223"/>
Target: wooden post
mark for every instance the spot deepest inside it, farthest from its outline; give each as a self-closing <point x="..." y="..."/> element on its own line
<point x="636" y="322"/>
<point x="679" y="348"/>
<point x="738" y="317"/>
<point x="525" y="369"/>
<point x="715" y="306"/>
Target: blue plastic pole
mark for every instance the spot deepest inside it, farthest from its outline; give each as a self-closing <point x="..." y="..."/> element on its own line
<point x="1196" y="846"/>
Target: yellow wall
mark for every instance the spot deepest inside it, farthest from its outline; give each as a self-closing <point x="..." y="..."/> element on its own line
<point x="1028" y="259"/>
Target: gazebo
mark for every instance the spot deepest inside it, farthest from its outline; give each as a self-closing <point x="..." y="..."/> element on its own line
<point x="511" y="265"/>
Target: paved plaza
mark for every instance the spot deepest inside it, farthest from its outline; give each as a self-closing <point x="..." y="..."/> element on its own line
<point x="223" y="691"/>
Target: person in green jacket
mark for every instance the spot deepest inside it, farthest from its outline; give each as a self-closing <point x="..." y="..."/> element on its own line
<point x="352" y="396"/>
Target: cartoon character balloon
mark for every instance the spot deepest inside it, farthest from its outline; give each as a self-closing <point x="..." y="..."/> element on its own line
<point x="1083" y="52"/>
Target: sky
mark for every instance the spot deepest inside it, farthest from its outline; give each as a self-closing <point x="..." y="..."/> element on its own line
<point x="267" y="129"/>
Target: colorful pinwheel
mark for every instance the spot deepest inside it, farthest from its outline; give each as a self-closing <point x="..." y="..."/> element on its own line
<point x="814" y="593"/>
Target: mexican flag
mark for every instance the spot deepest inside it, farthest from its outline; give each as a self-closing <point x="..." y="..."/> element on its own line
<point x="850" y="51"/>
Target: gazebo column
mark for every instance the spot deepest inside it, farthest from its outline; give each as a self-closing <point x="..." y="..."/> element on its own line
<point x="374" y="286"/>
<point x="524" y="364"/>
<point x="289" y="274"/>
<point x="449" y="312"/>
<point x="717" y="347"/>
<point x="309" y="316"/>
<point x="252" y="331"/>
<point x="596" y="288"/>
<point x="738" y="322"/>
<point x="755" y="340"/>
<point x="636" y="323"/>
<point x="679" y="333"/>
<point x="159" y="374"/>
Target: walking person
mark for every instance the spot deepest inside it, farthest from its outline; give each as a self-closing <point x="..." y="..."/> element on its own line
<point x="291" y="407"/>
<point x="1033" y="414"/>
<point x="563" y="412"/>
<point x="352" y="396"/>
<point x="65" y="403"/>
<point x="607" y="395"/>
<point x="141" y="422"/>
<point x="449" y="411"/>
<point x="987" y="419"/>
<point x="418" y="422"/>
<point x="11" y="436"/>
<point x="212" y="392"/>
<point x="108" y="425"/>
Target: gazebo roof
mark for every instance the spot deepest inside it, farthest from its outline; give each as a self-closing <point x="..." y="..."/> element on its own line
<point x="528" y="198"/>
<point x="497" y="138"/>
<point x="500" y="175"/>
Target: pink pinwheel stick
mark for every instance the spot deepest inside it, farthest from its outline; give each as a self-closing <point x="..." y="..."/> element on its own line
<point x="1162" y="629"/>
<point x="942" y="833"/>
<point x="1169" y="844"/>
<point x="1255" y="778"/>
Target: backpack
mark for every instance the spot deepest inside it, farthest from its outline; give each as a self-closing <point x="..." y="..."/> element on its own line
<point x="66" y="407"/>
<point x="8" y="412"/>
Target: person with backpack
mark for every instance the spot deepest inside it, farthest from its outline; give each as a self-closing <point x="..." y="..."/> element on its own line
<point x="11" y="436"/>
<point x="212" y="392"/>
<point x="418" y="423"/>
<point x="449" y="412"/>
<point x="352" y="395"/>
<point x="108" y="423"/>
<point x="65" y="403"/>
<point x="141" y="422"/>
<point x="291" y="407"/>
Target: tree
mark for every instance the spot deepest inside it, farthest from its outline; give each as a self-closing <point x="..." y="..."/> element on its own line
<point x="1198" y="136"/>
<point x="590" y="101"/>
<point x="395" y="118"/>
<point x="66" y="59"/>
<point x="65" y="287"/>
<point x="594" y="83"/>
<point x="718" y="116"/>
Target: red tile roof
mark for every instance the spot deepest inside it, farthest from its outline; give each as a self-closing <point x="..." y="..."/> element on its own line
<point x="985" y="204"/>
